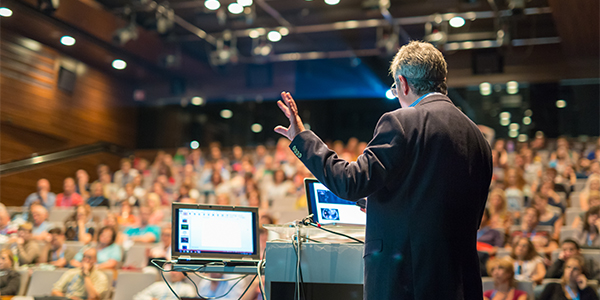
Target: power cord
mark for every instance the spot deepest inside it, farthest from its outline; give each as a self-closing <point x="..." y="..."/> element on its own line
<point x="308" y="221"/>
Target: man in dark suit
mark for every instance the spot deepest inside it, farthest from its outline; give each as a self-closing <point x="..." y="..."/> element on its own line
<point x="426" y="174"/>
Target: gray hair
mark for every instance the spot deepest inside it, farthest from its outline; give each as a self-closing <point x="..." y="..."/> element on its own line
<point x="423" y="66"/>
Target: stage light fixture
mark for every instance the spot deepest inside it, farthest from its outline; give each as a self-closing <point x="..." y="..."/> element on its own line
<point x="513" y="133"/>
<point x="561" y="103"/>
<point x="244" y="2"/>
<point x="212" y="4"/>
<point x="5" y="12"/>
<point x="504" y="122"/>
<point x="514" y="126"/>
<point x="512" y="87"/>
<point x="505" y="115"/>
<point x="522" y="138"/>
<point x="197" y="101"/>
<point x="194" y="145"/>
<point x="284" y="31"/>
<point x="119" y="64"/>
<point x="457" y="22"/>
<point x="485" y="89"/>
<point x="226" y="114"/>
<point x="274" y="36"/>
<point x="67" y="40"/>
<point x="235" y="8"/>
<point x="332" y="2"/>
<point x="256" y="128"/>
<point x="528" y="113"/>
<point x="254" y="33"/>
<point x="526" y="120"/>
<point x="389" y="95"/>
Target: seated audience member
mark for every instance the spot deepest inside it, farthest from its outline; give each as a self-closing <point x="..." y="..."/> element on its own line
<point x="128" y="194"/>
<point x="160" y="291"/>
<point x="43" y="195"/>
<point x="97" y="196"/>
<point x="503" y="273"/>
<point x="126" y="174"/>
<point x="592" y="184"/>
<point x="541" y="239"/>
<point x="223" y="199"/>
<point x="548" y="216"/>
<point x="68" y="197"/>
<point x="163" y="249"/>
<point x="10" y="280"/>
<point x="108" y="253"/>
<point x="211" y="289"/>
<point x="109" y="188"/>
<point x="588" y="235"/>
<point x="527" y="262"/>
<point x="56" y="252"/>
<point x="83" y="183"/>
<point x="145" y="232"/>
<point x="491" y="237"/>
<point x="570" y="248"/>
<point x="39" y="216"/>
<point x="515" y="190"/>
<point x="139" y="191"/>
<point x="554" y="200"/>
<point x="28" y="250"/>
<point x="84" y="282"/>
<point x="573" y="284"/>
<point x="6" y="227"/>
<point x="112" y="221"/>
<point x="80" y="227"/>
<point x="157" y="215"/>
<point x="126" y="217"/>
<point x="593" y="200"/>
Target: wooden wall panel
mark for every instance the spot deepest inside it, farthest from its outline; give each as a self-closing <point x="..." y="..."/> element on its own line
<point x="38" y="117"/>
<point x="14" y="188"/>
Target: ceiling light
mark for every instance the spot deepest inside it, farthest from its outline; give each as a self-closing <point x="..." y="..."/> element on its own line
<point x="197" y="100"/>
<point x="561" y="103"/>
<point x="274" y="36"/>
<point x="194" y="145"/>
<point x="119" y="64"/>
<point x="332" y="2"/>
<point x="67" y="40"/>
<point x="235" y="8"/>
<point x="513" y="133"/>
<point x="514" y="126"/>
<point x="244" y="2"/>
<point x="5" y="12"/>
<point x="505" y="115"/>
<point x="390" y="95"/>
<point x="254" y="33"/>
<point x="504" y="122"/>
<point x="284" y="31"/>
<point x="226" y="114"/>
<point x="256" y="128"/>
<point x="526" y="120"/>
<point x="528" y="113"/>
<point x="512" y="87"/>
<point x="457" y="22"/>
<point x="485" y="88"/>
<point x="212" y="4"/>
<point x="523" y="138"/>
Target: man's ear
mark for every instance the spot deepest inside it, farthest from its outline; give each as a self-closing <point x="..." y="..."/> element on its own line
<point x="404" y="88"/>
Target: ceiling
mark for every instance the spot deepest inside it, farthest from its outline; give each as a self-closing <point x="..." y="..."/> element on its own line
<point x="201" y="42"/>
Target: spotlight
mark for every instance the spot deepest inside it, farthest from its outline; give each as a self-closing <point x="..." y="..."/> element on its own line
<point x="332" y="2"/>
<point x="67" y="40"/>
<point x="197" y="101"/>
<point x="254" y="33"/>
<point x="226" y="114"/>
<point x="504" y="122"/>
<point x="119" y="64"/>
<point x="526" y="120"/>
<point x="235" y="8"/>
<point x="256" y="128"/>
<point x="284" y="31"/>
<point x="505" y="115"/>
<point x="212" y="4"/>
<point x="244" y="2"/>
<point x="194" y="145"/>
<point x="5" y="12"/>
<point x="389" y="95"/>
<point x="274" y="36"/>
<point x="485" y="88"/>
<point x="512" y="87"/>
<point x="561" y="103"/>
<point x="457" y="22"/>
<point x="522" y="138"/>
<point x="513" y="133"/>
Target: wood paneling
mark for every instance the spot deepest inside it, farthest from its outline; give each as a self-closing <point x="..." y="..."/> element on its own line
<point x="14" y="188"/>
<point x="37" y="117"/>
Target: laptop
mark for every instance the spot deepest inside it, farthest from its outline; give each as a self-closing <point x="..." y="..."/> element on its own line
<point x="329" y="209"/>
<point x="215" y="234"/>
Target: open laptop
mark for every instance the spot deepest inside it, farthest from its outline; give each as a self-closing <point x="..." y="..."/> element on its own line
<point x="327" y="208"/>
<point x="215" y="234"/>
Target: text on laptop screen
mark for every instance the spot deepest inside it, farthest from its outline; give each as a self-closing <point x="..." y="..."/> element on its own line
<point x="329" y="208"/>
<point x="215" y="231"/>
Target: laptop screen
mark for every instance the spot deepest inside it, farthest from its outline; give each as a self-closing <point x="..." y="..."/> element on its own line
<point x="215" y="231"/>
<point x="328" y="208"/>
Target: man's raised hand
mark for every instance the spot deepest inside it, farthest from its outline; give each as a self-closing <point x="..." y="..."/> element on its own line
<point x="289" y="108"/>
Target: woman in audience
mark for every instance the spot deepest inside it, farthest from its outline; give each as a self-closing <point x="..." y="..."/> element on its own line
<point x="80" y="227"/>
<point x="280" y="188"/>
<point x="527" y="263"/>
<point x="593" y="200"/>
<point x="503" y="273"/>
<point x="548" y="190"/>
<point x="592" y="184"/>
<point x="10" y="280"/>
<point x="499" y="215"/>
<point x="548" y="216"/>
<point x="157" y="215"/>
<point x="109" y="254"/>
<point x="127" y="194"/>
<point x="111" y="220"/>
<point x="126" y="217"/>
<point x="588" y="235"/>
<point x="515" y="191"/>
<point x="573" y="284"/>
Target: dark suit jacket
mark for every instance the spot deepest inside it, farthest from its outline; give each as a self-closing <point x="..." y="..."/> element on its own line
<point x="426" y="173"/>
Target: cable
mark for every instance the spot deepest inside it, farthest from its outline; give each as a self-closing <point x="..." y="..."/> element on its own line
<point x="194" y="283"/>
<point x="331" y="231"/>
<point x="162" y="274"/>
<point x="301" y="276"/>
<point x="250" y="284"/>
<point x="260" y="283"/>
<point x="297" y="225"/>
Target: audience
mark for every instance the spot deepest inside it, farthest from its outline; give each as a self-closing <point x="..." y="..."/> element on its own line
<point x="548" y="215"/>
<point x="10" y="280"/>
<point x="97" y="197"/>
<point x="153" y="202"/>
<point x="83" y="183"/>
<point x="6" y="227"/>
<point x="500" y="218"/>
<point x="160" y="291"/>
<point x="126" y="174"/>
<point x="491" y="237"/>
<point x="28" y="250"/>
<point x="55" y="251"/>
<point x="588" y="235"/>
<point x="527" y="263"/>
<point x="39" y="216"/>
<point x="80" y="227"/>
<point x="570" y="248"/>
<point x="84" y="282"/>
<point x="592" y="184"/>
<point x="108" y="253"/>
<point x="573" y="284"/>
<point x="503" y="273"/>
<point x="43" y="195"/>
<point x="145" y="232"/>
<point x="69" y="196"/>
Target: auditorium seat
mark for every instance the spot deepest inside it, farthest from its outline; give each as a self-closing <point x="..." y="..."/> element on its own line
<point x="586" y="253"/>
<point x="591" y="283"/>
<point x="502" y="252"/>
<point x="575" y="200"/>
<point x="567" y="233"/>
<point x="130" y="283"/>
<point x="42" y="281"/>
<point x="60" y="214"/>
<point x="136" y="256"/>
<point x="74" y="246"/>
<point x="526" y="286"/>
<point x="580" y="184"/>
<point x="24" y="281"/>
<point x="571" y="214"/>
<point x="539" y="228"/>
